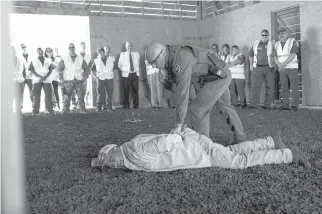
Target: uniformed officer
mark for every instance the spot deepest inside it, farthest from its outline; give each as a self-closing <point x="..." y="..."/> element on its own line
<point x="177" y="63"/>
<point x="262" y="67"/>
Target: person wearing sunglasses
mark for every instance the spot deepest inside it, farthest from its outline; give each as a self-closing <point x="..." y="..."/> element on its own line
<point x="261" y="65"/>
<point x="73" y="71"/>
<point x="129" y="64"/>
<point x="285" y="56"/>
<point x="190" y="150"/>
<point x="178" y="64"/>
<point x="54" y="77"/>
<point x="41" y="69"/>
<point x="26" y="59"/>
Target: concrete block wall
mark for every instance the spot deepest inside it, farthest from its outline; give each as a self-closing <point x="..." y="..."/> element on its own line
<point x="243" y="26"/>
<point x="116" y="31"/>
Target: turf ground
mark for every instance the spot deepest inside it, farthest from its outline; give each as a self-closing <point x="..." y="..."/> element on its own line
<point x="59" y="149"/>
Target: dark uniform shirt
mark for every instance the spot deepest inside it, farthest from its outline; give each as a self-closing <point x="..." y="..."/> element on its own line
<point x="262" y="58"/>
<point x="180" y="62"/>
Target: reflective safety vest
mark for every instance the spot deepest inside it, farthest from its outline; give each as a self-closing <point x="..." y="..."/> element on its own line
<point x="27" y="63"/>
<point x="237" y="71"/>
<point x="105" y="71"/>
<point x="283" y="54"/>
<point x="269" y="53"/>
<point x="227" y="58"/>
<point x="73" y="69"/>
<point x="41" y="69"/>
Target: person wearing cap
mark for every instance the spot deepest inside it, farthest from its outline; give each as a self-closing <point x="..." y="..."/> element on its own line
<point x="188" y="150"/>
<point x="87" y="59"/>
<point x="41" y="68"/>
<point x="18" y="80"/>
<point x="73" y="72"/>
<point x="129" y="64"/>
<point x="285" y="56"/>
<point x="236" y="63"/>
<point x="177" y="64"/>
<point x="26" y="60"/>
<point x="262" y="66"/>
<point x="154" y="84"/>
<point x="102" y="70"/>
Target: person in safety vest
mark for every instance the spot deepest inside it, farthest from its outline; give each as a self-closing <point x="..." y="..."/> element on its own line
<point x="285" y="56"/>
<point x="261" y="65"/>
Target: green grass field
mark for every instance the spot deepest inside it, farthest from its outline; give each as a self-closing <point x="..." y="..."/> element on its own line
<point x="59" y="149"/>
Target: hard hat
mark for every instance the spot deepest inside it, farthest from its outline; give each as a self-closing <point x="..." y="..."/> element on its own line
<point x="152" y="51"/>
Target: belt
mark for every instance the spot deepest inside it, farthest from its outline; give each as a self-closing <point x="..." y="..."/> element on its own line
<point x="262" y="65"/>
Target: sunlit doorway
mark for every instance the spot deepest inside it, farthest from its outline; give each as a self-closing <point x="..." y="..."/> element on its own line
<point x="54" y="31"/>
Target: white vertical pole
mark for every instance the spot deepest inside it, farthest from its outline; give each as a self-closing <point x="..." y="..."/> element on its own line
<point x="12" y="155"/>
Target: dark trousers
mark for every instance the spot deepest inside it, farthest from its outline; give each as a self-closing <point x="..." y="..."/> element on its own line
<point x="55" y="94"/>
<point x="103" y="87"/>
<point x="258" y="75"/>
<point x="237" y="88"/>
<point x="290" y="75"/>
<point x="131" y="82"/>
<point x="36" y="92"/>
<point x="27" y="82"/>
<point x="18" y="95"/>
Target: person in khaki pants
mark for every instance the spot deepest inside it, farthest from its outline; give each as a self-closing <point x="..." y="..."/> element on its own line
<point x="286" y="59"/>
<point x="152" y="75"/>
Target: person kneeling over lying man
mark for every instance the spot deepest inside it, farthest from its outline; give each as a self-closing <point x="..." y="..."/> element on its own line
<point x="188" y="149"/>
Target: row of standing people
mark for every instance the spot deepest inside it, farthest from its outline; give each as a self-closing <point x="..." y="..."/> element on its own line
<point x="265" y="59"/>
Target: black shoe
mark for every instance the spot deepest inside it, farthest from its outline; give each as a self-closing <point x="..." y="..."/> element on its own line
<point x="98" y="110"/>
<point x="250" y="106"/>
<point x="283" y="108"/>
<point x="154" y="107"/>
<point x="267" y="108"/>
<point x="136" y="107"/>
<point x="294" y="108"/>
<point x="236" y="105"/>
<point x="243" y="106"/>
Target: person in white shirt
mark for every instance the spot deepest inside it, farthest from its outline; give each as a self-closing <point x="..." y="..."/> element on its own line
<point x="102" y="70"/>
<point x="26" y="60"/>
<point x="73" y="71"/>
<point x="188" y="150"/>
<point x="154" y="84"/>
<point x="129" y="64"/>
<point x="18" y="80"/>
<point x="87" y="59"/>
<point x="41" y="69"/>
<point x="236" y="64"/>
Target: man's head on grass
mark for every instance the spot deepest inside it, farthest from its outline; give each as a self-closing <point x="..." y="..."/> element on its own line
<point x="110" y="156"/>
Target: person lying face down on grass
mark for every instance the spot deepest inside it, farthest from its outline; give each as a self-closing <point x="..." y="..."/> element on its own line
<point x="188" y="149"/>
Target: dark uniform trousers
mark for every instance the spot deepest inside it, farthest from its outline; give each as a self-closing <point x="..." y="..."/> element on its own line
<point x="104" y="86"/>
<point x="237" y="89"/>
<point x="36" y="92"/>
<point x="131" y="82"/>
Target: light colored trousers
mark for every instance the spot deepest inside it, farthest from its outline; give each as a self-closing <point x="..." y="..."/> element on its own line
<point x="155" y="89"/>
<point x="245" y="154"/>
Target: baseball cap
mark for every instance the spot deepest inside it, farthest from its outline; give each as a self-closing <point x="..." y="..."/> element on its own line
<point x="281" y="29"/>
